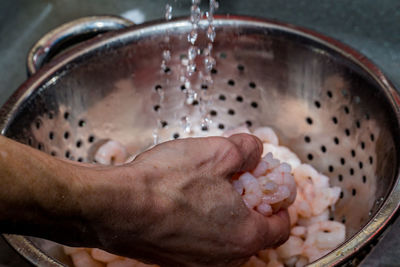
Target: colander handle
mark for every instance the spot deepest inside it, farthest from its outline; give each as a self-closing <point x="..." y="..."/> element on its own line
<point x="69" y="34"/>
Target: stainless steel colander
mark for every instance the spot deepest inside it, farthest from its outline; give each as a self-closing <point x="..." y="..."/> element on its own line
<point x="327" y="102"/>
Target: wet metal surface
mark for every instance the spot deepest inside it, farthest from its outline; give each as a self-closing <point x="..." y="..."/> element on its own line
<point x="368" y="26"/>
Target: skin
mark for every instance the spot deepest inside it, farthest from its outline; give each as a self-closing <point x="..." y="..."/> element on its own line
<point x="173" y="205"/>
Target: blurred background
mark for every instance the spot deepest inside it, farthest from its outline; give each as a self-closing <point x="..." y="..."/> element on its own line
<point x="371" y="27"/>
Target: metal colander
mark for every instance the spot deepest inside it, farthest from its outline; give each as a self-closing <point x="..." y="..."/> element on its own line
<point x="328" y="104"/>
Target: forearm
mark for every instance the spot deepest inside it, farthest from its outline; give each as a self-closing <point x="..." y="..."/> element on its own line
<point x="37" y="196"/>
<point x="65" y="201"/>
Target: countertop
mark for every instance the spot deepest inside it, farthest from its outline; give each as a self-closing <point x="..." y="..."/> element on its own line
<point x="372" y="27"/>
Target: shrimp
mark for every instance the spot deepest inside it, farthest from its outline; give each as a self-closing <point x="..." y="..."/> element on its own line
<point x="103" y="256"/>
<point x="273" y="190"/>
<point x="328" y="234"/>
<point x="315" y="195"/>
<point x="266" y="135"/>
<point x="326" y="197"/>
<point x="129" y="263"/>
<point x="123" y="263"/>
<point x="282" y="153"/>
<point x="265" y="208"/>
<point x="324" y="216"/>
<point x="279" y="181"/>
<point x="238" y="186"/>
<point x="299" y="231"/>
<point x="322" y="237"/>
<point x="302" y="205"/>
<point x="304" y="174"/>
<point x="301" y="262"/>
<point x="111" y="153"/>
<point x="255" y="262"/>
<point x="275" y="263"/>
<point x="261" y="168"/>
<point x="268" y="255"/>
<point x="253" y="194"/>
<point x="72" y="250"/>
<point x="291" y="261"/>
<point x="293" y="214"/>
<point x="83" y="259"/>
<point x="292" y="247"/>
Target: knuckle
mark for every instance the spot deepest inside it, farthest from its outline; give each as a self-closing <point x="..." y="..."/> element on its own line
<point x="230" y="155"/>
<point x="226" y="155"/>
<point x="250" y="141"/>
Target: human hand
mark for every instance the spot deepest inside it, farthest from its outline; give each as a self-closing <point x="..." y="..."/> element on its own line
<point x="174" y="205"/>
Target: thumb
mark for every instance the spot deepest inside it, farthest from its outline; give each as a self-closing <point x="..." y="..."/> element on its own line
<point x="250" y="148"/>
<point x="273" y="230"/>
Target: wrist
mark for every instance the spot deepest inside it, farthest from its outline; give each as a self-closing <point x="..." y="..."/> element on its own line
<point x="39" y="198"/>
<point x="111" y="200"/>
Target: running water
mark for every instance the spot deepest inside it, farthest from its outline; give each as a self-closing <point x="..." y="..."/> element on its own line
<point x="193" y="51"/>
<point x="209" y="64"/>
<point x="166" y="55"/>
<point x="191" y="75"/>
<point x="209" y="61"/>
<point x="166" y="58"/>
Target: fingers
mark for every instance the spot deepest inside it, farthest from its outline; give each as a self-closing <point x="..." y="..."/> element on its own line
<point x="220" y="157"/>
<point x="250" y="149"/>
<point x="276" y="227"/>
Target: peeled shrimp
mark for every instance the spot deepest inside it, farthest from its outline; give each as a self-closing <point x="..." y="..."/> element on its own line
<point x="72" y="250"/>
<point x="304" y="174"/>
<point x="293" y="216"/>
<point x="292" y="247"/>
<point x="111" y="153"/>
<point x="322" y="237"/>
<point x="122" y="263"/>
<point x="83" y="259"/>
<point x="266" y="135"/>
<point x="128" y="263"/>
<point x="252" y="193"/>
<point x="314" y="193"/>
<point x="275" y="263"/>
<point x="271" y="186"/>
<point x="255" y="262"/>
<point x="324" y="216"/>
<point x="282" y="153"/>
<point x="268" y="255"/>
<point x="272" y="190"/>
<point x="302" y="261"/>
<point x="324" y="198"/>
<point x="103" y="256"/>
<point x="299" y="231"/>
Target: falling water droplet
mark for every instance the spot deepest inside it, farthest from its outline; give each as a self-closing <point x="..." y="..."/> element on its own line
<point x="167" y="55"/>
<point x="192" y="36"/>
<point x="209" y="63"/>
<point x="211" y="33"/>
<point x="192" y="52"/>
<point x="195" y="14"/>
<point x="168" y="12"/>
<point x="186" y="124"/>
<point x="156" y="136"/>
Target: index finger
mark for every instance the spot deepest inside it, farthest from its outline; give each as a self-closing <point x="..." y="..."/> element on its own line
<point x="250" y="148"/>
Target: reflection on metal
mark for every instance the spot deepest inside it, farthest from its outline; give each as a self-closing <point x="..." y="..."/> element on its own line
<point x="49" y="44"/>
<point x="314" y="91"/>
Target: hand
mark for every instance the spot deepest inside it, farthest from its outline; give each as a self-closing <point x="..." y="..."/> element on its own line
<point x="174" y="205"/>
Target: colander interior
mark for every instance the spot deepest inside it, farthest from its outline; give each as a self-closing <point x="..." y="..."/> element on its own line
<point x="325" y="107"/>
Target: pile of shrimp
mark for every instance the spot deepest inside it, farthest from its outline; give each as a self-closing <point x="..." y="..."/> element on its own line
<point x="280" y="181"/>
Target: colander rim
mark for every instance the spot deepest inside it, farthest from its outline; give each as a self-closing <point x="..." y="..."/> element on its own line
<point x="375" y="227"/>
